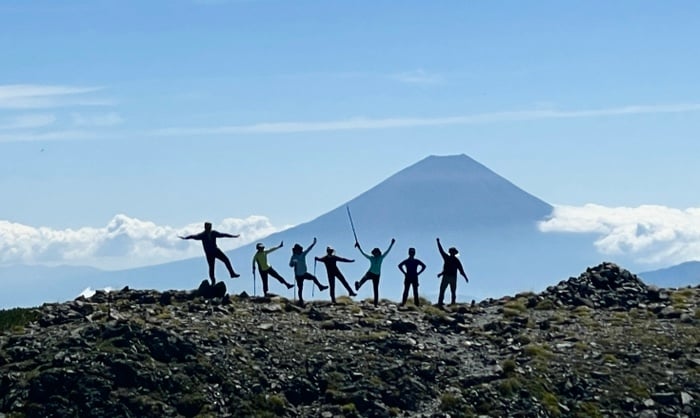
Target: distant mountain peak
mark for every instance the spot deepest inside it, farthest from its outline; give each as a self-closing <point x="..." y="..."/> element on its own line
<point x="454" y="186"/>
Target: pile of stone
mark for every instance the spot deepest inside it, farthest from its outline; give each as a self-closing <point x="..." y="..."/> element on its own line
<point x="604" y="286"/>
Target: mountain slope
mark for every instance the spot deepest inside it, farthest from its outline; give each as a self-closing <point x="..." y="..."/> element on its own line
<point x="684" y="274"/>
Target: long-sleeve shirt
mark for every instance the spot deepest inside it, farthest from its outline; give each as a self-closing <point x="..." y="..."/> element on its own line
<point x="260" y="258"/>
<point x="331" y="262"/>
<point x="209" y="239"/>
<point x="375" y="261"/>
<point x="298" y="261"/>
<point x="451" y="263"/>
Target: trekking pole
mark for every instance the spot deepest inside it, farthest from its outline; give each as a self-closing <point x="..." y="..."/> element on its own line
<point x="254" y="291"/>
<point x="352" y="224"/>
<point x="312" y="287"/>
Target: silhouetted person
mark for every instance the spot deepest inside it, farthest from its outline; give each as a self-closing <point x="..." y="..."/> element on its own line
<point x="211" y="251"/>
<point x="331" y="262"/>
<point x="411" y="268"/>
<point x="375" y="268"/>
<point x="298" y="261"/>
<point x="451" y="266"/>
<point x="260" y="258"/>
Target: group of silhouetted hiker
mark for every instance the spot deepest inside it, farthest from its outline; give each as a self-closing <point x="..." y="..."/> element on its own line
<point x="411" y="267"/>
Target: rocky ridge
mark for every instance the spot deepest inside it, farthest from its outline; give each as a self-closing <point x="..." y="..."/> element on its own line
<point x="601" y="344"/>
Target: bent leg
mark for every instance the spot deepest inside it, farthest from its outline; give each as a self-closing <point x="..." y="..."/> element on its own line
<point x="272" y="272"/>
<point x="221" y="256"/>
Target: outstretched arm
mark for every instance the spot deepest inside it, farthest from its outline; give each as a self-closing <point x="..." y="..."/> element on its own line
<point x="390" y="246"/>
<point x="310" y="246"/>
<point x="192" y="236"/>
<point x="442" y="251"/>
<point x="225" y="235"/>
<point x="345" y="260"/>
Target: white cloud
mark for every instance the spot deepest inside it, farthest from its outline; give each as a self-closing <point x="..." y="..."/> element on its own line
<point x="27" y="121"/>
<point x="34" y="96"/>
<point x="123" y="243"/>
<point x="477" y="118"/>
<point x="66" y="135"/>
<point x="649" y="233"/>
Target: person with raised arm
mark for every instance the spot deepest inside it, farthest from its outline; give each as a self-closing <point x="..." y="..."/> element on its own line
<point x="260" y="259"/>
<point x="298" y="262"/>
<point x="375" y="268"/>
<point x="451" y="266"/>
<point x="212" y="251"/>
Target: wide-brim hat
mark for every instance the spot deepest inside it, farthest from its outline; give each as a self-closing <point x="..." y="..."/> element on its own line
<point x="453" y="251"/>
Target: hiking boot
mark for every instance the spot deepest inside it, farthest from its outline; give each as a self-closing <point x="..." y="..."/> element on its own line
<point x="289" y="285"/>
<point x="352" y="294"/>
<point x="322" y="288"/>
<point x="357" y="285"/>
<point x="234" y="275"/>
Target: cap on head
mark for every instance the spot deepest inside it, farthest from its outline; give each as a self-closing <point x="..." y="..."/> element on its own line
<point x="330" y="250"/>
<point x="259" y="246"/>
<point x="453" y="251"/>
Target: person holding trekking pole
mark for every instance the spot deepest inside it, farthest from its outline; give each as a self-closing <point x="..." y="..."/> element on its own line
<point x="375" y="268"/>
<point x="260" y="258"/>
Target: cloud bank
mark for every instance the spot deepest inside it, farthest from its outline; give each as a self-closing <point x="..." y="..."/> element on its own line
<point x="123" y="243"/>
<point x="651" y="234"/>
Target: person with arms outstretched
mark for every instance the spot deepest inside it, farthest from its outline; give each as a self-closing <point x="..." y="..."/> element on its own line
<point x="375" y="268"/>
<point x="298" y="262"/>
<point x="451" y="266"/>
<point x="260" y="258"/>
<point x="330" y="260"/>
<point x="211" y="251"/>
<point x="411" y="269"/>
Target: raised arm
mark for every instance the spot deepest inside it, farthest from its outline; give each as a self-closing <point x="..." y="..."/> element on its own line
<point x="275" y="248"/>
<point x="390" y="246"/>
<point x="442" y="251"/>
<point x="357" y="245"/>
<point x="310" y="246"/>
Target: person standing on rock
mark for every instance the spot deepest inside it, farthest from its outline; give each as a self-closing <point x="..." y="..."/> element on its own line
<point x="211" y="251"/>
<point x="451" y="266"/>
<point x="375" y="268"/>
<point x="330" y="260"/>
<point x="411" y="269"/>
<point x="260" y="258"/>
<point x="298" y="262"/>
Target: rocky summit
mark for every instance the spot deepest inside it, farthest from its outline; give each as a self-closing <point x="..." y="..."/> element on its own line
<point x="599" y="345"/>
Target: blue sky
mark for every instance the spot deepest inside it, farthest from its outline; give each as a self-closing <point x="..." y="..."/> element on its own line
<point x="153" y="116"/>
